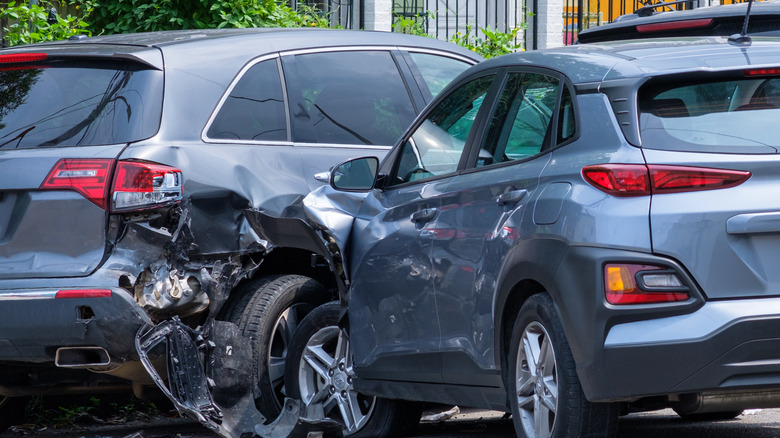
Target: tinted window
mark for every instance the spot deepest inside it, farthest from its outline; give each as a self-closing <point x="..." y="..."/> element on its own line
<point x="436" y="146"/>
<point x="350" y="98"/>
<point x="255" y="108"/>
<point x="522" y="122"/>
<point x="732" y="115"/>
<point x="78" y="104"/>
<point x="437" y="71"/>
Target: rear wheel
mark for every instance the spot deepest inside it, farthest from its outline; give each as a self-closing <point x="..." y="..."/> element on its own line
<point x="11" y="411"/>
<point x="320" y="373"/>
<point x="545" y="393"/>
<point x="268" y="314"/>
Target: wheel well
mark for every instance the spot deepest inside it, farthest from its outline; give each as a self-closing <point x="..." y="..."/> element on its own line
<point x="519" y="294"/>
<point x="285" y="261"/>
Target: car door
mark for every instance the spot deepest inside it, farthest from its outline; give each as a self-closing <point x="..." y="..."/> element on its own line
<point x="480" y="213"/>
<point x="394" y="325"/>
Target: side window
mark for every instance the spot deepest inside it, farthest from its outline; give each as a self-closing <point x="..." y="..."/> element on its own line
<point x="522" y="122"/>
<point x="355" y="97"/>
<point x="255" y="108"/>
<point x="566" y="125"/>
<point x="437" y="71"/>
<point x="436" y="146"/>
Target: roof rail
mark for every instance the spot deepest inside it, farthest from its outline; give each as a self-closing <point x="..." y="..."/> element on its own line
<point x="646" y="11"/>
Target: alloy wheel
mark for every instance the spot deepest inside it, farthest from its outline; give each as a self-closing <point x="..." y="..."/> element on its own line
<point x="536" y="388"/>
<point x="326" y="379"/>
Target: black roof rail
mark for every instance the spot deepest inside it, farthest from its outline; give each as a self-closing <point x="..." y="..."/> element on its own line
<point x="646" y="11"/>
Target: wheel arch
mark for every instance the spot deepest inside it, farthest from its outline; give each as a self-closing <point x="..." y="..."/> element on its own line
<point x="529" y="269"/>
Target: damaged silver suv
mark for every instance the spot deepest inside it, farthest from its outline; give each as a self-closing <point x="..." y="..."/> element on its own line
<point x="132" y="167"/>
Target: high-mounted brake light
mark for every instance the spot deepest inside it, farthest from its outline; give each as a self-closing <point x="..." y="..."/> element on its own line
<point x="642" y="284"/>
<point x="90" y="177"/>
<point x="675" y="25"/>
<point x="22" y="57"/>
<point x="83" y="293"/>
<point x="762" y="72"/>
<point x="639" y="180"/>
<point x="140" y="185"/>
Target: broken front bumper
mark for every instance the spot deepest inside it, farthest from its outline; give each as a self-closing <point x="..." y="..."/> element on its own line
<point x="209" y="379"/>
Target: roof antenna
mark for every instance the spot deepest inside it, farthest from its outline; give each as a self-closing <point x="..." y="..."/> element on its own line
<point x="742" y="39"/>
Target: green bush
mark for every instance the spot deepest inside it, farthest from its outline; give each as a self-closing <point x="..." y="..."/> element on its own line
<point x="495" y="43"/>
<point x="35" y="23"/>
<point x="123" y="16"/>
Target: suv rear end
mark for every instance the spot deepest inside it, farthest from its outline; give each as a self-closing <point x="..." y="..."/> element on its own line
<point x="67" y="117"/>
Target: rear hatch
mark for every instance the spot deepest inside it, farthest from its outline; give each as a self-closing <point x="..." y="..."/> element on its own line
<point x="66" y="113"/>
<point x="721" y="218"/>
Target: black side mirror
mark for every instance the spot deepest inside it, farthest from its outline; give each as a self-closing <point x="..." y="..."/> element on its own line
<point x="358" y="174"/>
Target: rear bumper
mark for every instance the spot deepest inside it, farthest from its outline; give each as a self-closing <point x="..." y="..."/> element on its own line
<point x="723" y="346"/>
<point x="624" y="353"/>
<point x="34" y="324"/>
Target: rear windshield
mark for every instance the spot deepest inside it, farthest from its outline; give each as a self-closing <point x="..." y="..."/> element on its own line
<point x="738" y="116"/>
<point x="78" y="104"/>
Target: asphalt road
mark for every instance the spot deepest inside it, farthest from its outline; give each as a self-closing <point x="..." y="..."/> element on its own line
<point x="469" y="424"/>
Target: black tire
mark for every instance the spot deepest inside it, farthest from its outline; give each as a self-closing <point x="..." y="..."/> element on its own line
<point x="12" y="411"/>
<point x="377" y="417"/>
<point x="710" y="416"/>
<point x="267" y="314"/>
<point x="549" y="383"/>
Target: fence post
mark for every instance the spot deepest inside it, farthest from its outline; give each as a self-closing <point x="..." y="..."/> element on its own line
<point x="549" y="21"/>
<point x="379" y="15"/>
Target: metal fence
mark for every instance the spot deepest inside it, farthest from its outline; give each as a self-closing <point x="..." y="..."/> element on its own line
<point x="444" y="18"/>
<point x="584" y="14"/>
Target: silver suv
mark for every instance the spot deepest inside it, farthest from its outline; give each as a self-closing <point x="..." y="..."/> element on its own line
<point x="129" y="168"/>
<point x="567" y="235"/>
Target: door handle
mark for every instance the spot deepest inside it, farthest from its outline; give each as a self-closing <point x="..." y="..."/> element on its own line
<point x="511" y="197"/>
<point x="424" y="215"/>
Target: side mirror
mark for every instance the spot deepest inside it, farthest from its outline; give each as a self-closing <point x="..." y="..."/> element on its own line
<point x="355" y="175"/>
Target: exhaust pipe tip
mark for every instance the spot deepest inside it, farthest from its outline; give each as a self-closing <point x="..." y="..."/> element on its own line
<point x="81" y="357"/>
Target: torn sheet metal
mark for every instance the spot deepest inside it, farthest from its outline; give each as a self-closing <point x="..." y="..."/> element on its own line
<point x="208" y="381"/>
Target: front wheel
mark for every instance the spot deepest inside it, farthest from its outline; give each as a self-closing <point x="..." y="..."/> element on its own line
<point x="544" y="391"/>
<point x="320" y="373"/>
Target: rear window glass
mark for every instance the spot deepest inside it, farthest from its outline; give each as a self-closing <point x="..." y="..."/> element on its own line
<point x="713" y="116"/>
<point x="78" y="104"/>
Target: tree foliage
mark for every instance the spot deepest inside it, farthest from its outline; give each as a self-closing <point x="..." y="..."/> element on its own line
<point x="122" y="16"/>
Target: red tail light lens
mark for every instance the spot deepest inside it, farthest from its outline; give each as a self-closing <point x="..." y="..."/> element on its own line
<point x="137" y="185"/>
<point x="619" y="179"/>
<point x="762" y="72"/>
<point x="89" y="177"/>
<point x="22" y="57"/>
<point x="642" y="284"/>
<point x="641" y="180"/>
<point x="675" y="25"/>
<point x="140" y="185"/>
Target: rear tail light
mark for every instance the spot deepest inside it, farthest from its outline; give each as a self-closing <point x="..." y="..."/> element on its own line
<point x="642" y="284"/>
<point x="139" y="185"/>
<point x="136" y="186"/>
<point x="642" y="180"/>
<point x="89" y="177"/>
